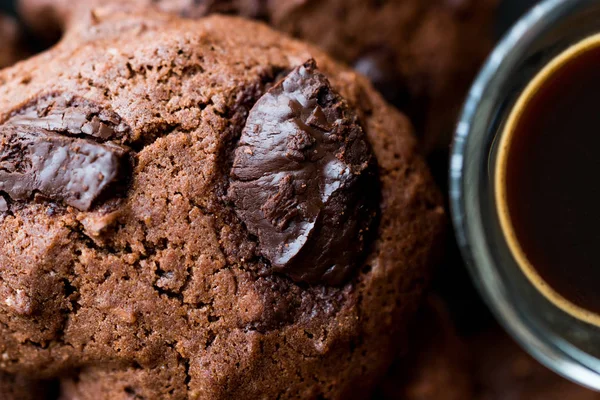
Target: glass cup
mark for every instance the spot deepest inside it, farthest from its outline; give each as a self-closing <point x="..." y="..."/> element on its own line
<point x="562" y="342"/>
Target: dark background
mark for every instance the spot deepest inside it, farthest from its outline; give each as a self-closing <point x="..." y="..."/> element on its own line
<point x="7" y="6"/>
<point x="509" y="11"/>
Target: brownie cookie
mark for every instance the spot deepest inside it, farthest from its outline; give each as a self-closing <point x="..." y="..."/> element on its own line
<point x="421" y="54"/>
<point x="205" y="209"/>
<point x="438" y="366"/>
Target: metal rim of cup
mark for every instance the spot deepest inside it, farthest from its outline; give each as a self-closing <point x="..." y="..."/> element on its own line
<point x="551" y="351"/>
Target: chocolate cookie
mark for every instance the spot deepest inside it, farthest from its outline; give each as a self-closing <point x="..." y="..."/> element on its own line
<point x="421" y="54"/>
<point x="205" y="209"/>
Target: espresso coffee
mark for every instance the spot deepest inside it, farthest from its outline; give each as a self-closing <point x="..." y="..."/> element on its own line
<point x="547" y="181"/>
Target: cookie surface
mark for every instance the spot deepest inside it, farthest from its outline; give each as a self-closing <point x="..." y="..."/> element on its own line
<point x="421" y="55"/>
<point x="128" y="265"/>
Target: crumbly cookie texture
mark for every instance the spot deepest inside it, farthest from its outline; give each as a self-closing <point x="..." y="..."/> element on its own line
<point x="421" y="54"/>
<point x="128" y="268"/>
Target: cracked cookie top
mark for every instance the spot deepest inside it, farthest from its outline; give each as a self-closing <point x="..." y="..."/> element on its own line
<point x="191" y="209"/>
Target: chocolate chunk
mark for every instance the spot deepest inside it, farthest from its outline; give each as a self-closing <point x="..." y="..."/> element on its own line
<point x="41" y="150"/>
<point x="3" y="204"/>
<point x="73" y="170"/>
<point x="71" y="115"/>
<point x="304" y="179"/>
<point x="379" y="66"/>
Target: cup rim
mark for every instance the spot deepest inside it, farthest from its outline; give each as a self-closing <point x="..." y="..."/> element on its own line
<point x="552" y="352"/>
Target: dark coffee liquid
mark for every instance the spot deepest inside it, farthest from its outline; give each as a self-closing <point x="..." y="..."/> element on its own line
<point x="552" y="181"/>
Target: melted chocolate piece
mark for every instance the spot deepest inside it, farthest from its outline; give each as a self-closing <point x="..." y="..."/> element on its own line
<point x="73" y="170"/>
<point x="304" y="179"/>
<point x="72" y="116"/>
<point x="56" y="146"/>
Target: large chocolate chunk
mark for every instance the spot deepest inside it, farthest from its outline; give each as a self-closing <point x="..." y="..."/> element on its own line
<point x="73" y="170"/>
<point x="71" y="115"/>
<point x="57" y="146"/>
<point x="304" y="179"/>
